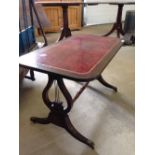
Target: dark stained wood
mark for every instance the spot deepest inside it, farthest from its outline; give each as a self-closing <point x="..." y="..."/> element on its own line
<point x="58" y="115"/>
<point x="101" y="80"/>
<point x="66" y="32"/>
<point x="118" y="24"/>
<point x="80" y="58"/>
<point x="80" y="91"/>
<point x="32" y="76"/>
<point x="122" y="2"/>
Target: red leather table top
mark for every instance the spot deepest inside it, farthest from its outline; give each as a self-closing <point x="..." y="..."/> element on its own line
<point x="77" y="57"/>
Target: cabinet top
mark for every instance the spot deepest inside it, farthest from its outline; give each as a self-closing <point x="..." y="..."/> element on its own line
<point x="78" y="2"/>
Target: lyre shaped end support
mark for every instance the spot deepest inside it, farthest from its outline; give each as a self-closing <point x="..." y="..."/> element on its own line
<point x="56" y="106"/>
<point x="66" y="94"/>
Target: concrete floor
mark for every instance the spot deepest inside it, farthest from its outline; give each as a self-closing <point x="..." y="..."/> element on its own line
<point x="100" y="114"/>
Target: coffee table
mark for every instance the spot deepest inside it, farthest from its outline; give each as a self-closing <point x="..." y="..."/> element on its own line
<point x="79" y="58"/>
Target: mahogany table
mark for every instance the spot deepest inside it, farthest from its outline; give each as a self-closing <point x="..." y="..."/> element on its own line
<point x="118" y="24"/>
<point x="66" y="32"/>
<point x="80" y="58"/>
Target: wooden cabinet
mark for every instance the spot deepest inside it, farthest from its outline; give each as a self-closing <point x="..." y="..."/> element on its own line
<point x="74" y="17"/>
<point x="55" y="16"/>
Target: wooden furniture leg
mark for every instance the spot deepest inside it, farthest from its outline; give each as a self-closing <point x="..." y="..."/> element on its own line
<point x="58" y="115"/>
<point x="33" y="8"/>
<point x="101" y="80"/>
<point x="31" y="77"/>
<point x="118" y="24"/>
<point x="66" y="32"/>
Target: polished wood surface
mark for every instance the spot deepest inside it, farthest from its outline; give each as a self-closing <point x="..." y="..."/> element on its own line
<point x="118" y="23"/>
<point x="79" y="57"/>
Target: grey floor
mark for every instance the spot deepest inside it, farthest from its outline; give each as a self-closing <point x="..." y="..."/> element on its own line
<point x="102" y="115"/>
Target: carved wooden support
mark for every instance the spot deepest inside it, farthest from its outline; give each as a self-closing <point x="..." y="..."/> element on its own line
<point x="118" y="24"/>
<point x="102" y="81"/>
<point x="58" y="115"/>
<point x="66" y="32"/>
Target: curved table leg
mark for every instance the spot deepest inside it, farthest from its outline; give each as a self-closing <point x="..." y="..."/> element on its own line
<point x="101" y="80"/>
<point x="32" y="75"/>
<point x="111" y="31"/>
<point x="70" y="128"/>
<point x="66" y="32"/>
<point x="118" y="24"/>
<point x="121" y="30"/>
<point x="40" y="120"/>
<point x="62" y="35"/>
<point x="64" y="122"/>
<point x="58" y="115"/>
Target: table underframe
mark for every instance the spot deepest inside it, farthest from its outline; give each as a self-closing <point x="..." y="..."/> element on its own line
<point x="58" y="115"/>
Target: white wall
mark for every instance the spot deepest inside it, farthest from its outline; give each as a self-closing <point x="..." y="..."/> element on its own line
<point x="103" y="13"/>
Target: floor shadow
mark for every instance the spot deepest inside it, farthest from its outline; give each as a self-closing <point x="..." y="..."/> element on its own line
<point x="114" y="96"/>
